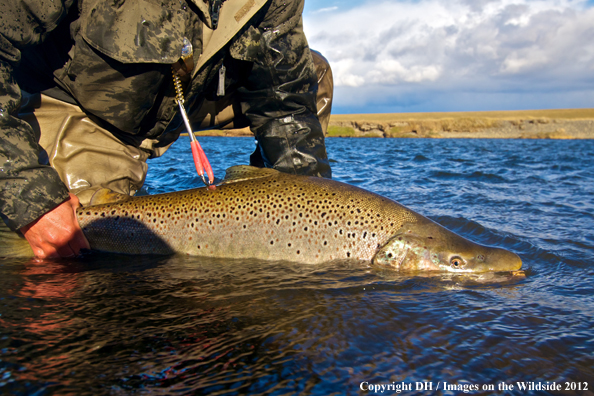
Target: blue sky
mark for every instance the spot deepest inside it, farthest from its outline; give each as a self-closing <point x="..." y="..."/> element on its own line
<point x="455" y="55"/>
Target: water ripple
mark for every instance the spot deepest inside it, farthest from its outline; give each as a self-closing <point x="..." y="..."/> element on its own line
<point x="115" y="324"/>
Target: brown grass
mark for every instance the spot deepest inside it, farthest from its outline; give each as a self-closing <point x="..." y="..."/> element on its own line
<point x="529" y="124"/>
<point x="541" y="116"/>
<point x="558" y="134"/>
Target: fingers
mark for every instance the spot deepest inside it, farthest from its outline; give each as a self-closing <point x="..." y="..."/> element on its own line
<point x="66" y="251"/>
<point x="57" y="233"/>
<point x="44" y="250"/>
<point x="45" y="247"/>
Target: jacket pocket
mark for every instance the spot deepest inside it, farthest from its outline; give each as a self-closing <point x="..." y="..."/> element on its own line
<point x="136" y="31"/>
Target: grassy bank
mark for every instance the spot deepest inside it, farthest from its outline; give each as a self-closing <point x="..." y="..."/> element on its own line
<point x="566" y="114"/>
<point x="528" y="124"/>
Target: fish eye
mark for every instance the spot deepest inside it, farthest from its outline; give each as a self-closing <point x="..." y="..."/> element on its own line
<point x="456" y="262"/>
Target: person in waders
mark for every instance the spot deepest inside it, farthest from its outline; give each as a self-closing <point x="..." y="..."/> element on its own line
<point x="92" y="89"/>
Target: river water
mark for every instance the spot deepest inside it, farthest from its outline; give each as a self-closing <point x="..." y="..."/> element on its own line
<point x="116" y="324"/>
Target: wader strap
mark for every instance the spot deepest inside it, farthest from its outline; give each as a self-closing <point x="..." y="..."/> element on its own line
<point x="233" y="16"/>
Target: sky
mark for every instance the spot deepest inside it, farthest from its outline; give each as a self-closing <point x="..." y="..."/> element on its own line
<point x="398" y="56"/>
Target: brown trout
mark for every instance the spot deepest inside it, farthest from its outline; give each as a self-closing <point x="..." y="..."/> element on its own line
<point x="264" y="214"/>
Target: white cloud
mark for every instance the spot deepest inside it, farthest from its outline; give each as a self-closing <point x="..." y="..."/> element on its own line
<point x="519" y="61"/>
<point x="479" y="45"/>
<point x="343" y="75"/>
<point x="327" y="9"/>
<point x="391" y="71"/>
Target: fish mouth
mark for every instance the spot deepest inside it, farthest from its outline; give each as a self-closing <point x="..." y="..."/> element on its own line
<point x="503" y="261"/>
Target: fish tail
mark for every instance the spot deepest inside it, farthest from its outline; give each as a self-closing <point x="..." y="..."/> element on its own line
<point x="13" y="244"/>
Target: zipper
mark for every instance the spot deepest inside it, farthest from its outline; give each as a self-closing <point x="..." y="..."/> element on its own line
<point x="221" y="88"/>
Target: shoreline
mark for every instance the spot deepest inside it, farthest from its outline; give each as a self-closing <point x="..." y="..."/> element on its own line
<point x="521" y="124"/>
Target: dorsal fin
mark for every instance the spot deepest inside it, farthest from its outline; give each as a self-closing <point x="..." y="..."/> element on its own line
<point x="105" y="195"/>
<point x="239" y="173"/>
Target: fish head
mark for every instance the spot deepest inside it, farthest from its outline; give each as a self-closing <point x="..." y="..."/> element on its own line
<point x="427" y="246"/>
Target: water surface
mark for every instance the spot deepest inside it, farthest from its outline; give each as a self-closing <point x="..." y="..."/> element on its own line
<point x="116" y="324"/>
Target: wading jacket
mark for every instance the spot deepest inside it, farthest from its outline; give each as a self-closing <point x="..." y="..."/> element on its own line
<point x="114" y="59"/>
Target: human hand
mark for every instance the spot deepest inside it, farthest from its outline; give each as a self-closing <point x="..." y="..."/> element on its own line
<point x="57" y="233"/>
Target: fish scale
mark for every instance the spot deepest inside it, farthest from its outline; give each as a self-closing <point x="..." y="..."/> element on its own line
<point x="265" y="214"/>
<point x="272" y="216"/>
